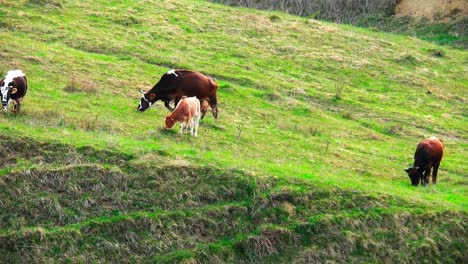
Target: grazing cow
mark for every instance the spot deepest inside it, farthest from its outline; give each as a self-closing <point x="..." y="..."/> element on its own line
<point x="175" y="84"/>
<point x="13" y="87"/>
<point x="188" y="114"/>
<point x="428" y="155"/>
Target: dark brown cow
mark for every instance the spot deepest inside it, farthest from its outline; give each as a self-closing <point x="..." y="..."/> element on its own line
<point x="175" y="84"/>
<point x="13" y="87"/>
<point x="428" y="155"/>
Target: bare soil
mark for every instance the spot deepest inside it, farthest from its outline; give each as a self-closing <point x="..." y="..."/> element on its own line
<point x="432" y="9"/>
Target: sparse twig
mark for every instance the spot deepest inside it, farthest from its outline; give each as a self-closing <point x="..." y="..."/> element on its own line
<point x="239" y="132"/>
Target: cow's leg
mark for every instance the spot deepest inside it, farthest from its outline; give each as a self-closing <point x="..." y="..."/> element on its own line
<point x="181" y="131"/>
<point x="17" y="105"/>
<point x="192" y="127"/>
<point x="427" y="173"/>
<point x="197" y="123"/>
<point x="189" y="126"/>
<point x="204" y="104"/>
<point x="419" y="179"/>
<point x="168" y="106"/>
<point x="435" y="170"/>
<point x="186" y="126"/>
<point x="214" y="105"/>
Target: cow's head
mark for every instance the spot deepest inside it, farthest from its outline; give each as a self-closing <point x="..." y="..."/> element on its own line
<point x="146" y="101"/>
<point x="6" y="89"/>
<point x="169" y="122"/>
<point x="415" y="175"/>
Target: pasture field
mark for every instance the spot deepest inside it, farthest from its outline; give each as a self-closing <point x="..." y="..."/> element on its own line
<point x="317" y="122"/>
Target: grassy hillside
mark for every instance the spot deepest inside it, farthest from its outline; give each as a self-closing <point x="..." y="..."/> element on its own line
<point x="440" y="22"/>
<point x="317" y="122"/>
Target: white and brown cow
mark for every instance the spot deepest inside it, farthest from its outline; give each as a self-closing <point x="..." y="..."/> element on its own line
<point x="13" y="87"/>
<point x="188" y="114"/>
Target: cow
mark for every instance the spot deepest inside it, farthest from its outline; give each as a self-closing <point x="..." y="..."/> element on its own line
<point x="175" y="84"/>
<point x="13" y="87"/>
<point x="428" y="155"/>
<point x="187" y="113"/>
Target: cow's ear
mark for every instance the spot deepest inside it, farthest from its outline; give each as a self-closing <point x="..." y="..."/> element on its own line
<point x="151" y="96"/>
<point x="13" y="90"/>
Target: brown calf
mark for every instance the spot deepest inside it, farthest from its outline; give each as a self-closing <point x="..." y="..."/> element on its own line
<point x="187" y="113"/>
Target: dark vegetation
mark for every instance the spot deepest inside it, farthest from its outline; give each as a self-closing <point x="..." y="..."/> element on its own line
<point x="340" y="11"/>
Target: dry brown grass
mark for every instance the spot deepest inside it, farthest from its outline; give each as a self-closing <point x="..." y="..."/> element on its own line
<point x="80" y="85"/>
<point x="51" y="3"/>
<point x="270" y="241"/>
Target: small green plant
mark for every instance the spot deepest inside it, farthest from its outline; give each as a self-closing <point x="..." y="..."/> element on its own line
<point x="275" y="18"/>
<point x="339" y="87"/>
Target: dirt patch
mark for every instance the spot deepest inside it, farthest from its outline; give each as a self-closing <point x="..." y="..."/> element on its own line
<point x="432" y="9"/>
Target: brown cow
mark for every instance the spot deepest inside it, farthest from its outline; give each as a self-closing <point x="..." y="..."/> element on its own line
<point x="175" y="84"/>
<point x="13" y="87"/>
<point x="428" y="155"/>
<point x="187" y="113"/>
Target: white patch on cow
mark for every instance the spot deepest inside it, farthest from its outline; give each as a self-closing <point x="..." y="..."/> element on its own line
<point x="172" y="72"/>
<point x="8" y="79"/>
<point x="11" y="75"/>
<point x="144" y="98"/>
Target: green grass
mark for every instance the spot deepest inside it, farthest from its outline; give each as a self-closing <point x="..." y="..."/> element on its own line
<point x="283" y="133"/>
<point x="449" y="31"/>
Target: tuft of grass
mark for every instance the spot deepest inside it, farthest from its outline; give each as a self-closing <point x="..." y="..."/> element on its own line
<point x="339" y="87"/>
<point x="271" y="241"/>
<point x="275" y="18"/>
<point x="80" y="85"/>
<point x="407" y="59"/>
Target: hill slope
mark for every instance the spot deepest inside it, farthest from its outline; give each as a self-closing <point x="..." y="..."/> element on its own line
<point x="294" y="168"/>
